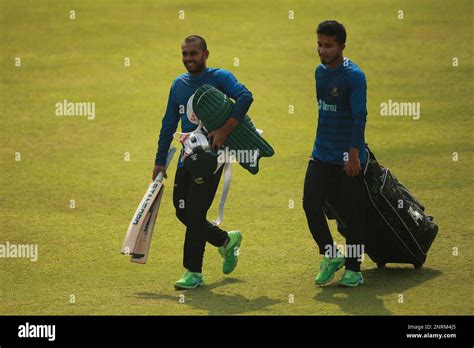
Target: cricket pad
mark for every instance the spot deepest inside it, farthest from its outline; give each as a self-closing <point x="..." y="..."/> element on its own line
<point x="213" y="109"/>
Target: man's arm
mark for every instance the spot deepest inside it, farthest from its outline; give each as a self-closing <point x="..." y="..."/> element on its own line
<point x="230" y="86"/>
<point x="358" y="100"/>
<point x="168" y="127"/>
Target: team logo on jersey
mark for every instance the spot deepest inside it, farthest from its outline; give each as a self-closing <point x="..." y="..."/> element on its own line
<point x="334" y="92"/>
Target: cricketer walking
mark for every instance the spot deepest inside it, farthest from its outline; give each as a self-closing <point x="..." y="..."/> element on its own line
<point x="192" y="197"/>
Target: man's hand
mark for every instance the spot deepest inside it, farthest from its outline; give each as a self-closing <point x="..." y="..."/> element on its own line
<point x="219" y="136"/>
<point x="352" y="166"/>
<point x="157" y="170"/>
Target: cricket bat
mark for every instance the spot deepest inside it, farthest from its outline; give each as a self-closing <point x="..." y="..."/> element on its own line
<point x="140" y="231"/>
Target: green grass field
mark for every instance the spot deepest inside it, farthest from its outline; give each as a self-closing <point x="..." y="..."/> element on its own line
<point x="73" y="158"/>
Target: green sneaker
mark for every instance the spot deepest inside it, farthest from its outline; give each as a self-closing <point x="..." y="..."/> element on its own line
<point x="351" y="278"/>
<point x="189" y="280"/>
<point x="329" y="267"/>
<point x="231" y="251"/>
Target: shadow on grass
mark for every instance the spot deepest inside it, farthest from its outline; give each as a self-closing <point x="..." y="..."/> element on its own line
<point x="364" y="300"/>
<point x="216" y="304"/>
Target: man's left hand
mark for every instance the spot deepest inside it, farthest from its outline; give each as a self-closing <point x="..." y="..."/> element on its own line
<point x="219" y="136"/>
<point x="352" y="166"/>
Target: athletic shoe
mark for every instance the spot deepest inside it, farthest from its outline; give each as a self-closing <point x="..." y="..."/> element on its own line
<point x="351" y="278"/>
<point x="230" y="252"/>
<point x="329" y="267"/>
<point x="189" y="280"/>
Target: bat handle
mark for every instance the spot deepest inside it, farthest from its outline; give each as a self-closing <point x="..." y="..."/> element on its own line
<point x="171" y="153"/>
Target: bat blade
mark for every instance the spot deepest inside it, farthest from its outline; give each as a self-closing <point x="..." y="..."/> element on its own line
<point x="140" y="230"/>
<point x="139" y="219"/>
<point x="142" y="246"/>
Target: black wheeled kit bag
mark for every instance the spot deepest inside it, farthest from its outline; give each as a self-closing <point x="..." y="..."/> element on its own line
<point x="398" y="230"/>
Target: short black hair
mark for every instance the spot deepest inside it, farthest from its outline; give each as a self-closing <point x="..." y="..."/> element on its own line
<point x="333" y="28"/>
<point x="202" y="42"/>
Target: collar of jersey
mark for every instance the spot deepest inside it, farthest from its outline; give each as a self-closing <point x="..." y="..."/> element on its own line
<point x="328" y="68"/>
<point x="198" y="76"/>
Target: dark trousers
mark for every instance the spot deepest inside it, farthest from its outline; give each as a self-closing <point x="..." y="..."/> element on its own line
<point x="326" y="181"/>
<point x="192" y="200"/>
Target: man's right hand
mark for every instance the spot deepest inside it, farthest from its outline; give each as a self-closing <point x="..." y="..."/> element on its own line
<point x="157" y="170"/>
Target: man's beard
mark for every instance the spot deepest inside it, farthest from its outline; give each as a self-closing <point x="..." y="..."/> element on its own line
<point x="195" y="68"/>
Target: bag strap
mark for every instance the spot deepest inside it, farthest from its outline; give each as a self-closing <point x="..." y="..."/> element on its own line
<point x="225" y="191"/>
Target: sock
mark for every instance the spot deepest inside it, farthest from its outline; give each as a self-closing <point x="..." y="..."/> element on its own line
<point x="226" y="242"/>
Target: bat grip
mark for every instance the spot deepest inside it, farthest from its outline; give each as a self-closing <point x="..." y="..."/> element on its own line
<point x="171" y="153"/>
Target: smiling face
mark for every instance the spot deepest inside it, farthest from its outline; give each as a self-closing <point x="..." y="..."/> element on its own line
<point x="194" y="57"/>
<point x="329" y="50"/>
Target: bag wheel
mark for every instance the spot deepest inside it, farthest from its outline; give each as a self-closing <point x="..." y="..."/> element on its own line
<point x="381" y="264"/>
<point x="417" y="265"/>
